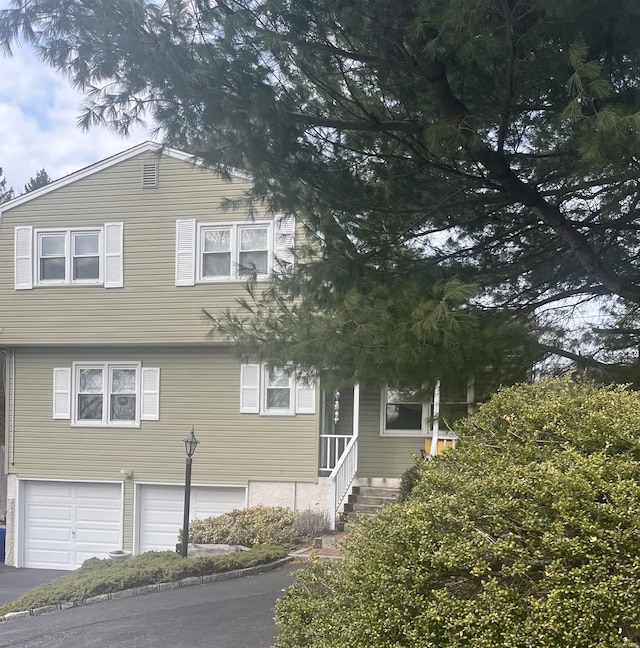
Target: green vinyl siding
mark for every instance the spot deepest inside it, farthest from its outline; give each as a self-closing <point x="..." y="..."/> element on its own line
<point x="149" y="308"/>
<point x="382" y="456"/>
<point x="199" y="386"/>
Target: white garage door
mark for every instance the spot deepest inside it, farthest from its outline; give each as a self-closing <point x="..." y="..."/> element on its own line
<point x="161" y="511"/>
<point x="66" y="523"/>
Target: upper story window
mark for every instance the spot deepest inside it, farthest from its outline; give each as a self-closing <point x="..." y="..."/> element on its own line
<point x="210" y="252"/>
<point x="234" y="251"/>
<point x="410" y="412"/>
<point x="88" y="256"/>
<point x="69" y="256"/>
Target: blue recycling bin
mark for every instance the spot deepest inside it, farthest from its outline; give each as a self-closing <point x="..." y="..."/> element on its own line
<point x="3" y="533"/>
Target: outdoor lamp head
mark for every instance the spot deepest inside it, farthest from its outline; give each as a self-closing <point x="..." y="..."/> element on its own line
<point x="190" y="443"/>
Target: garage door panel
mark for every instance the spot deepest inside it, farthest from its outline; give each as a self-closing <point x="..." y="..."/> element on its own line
<point x="50" y="534"/>
<point x="51" y="490"/>
<point x="93" y="516"/>
<point x="104" y="539"/>
<point x="49" y="514"/>
<point x="66" y="523"/>
<point x="161" y="510"/>
<point x="44" y="558"/>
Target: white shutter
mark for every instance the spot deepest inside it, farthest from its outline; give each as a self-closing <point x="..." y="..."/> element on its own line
<point x="284" y="243"/>
<point x="62" y="393"/>
<point x="250" y="388"/>
<point x="305" y="398"/>
<point x="113" y="255"/>
<point x="150" y="402"/>
<point x="23" y="260"/>
<point x="185" y="252"/>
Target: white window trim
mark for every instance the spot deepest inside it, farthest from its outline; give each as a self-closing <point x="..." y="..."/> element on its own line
<point x="106" y="367"/>
<point x="235" y="227"/>
<point x="276" y="411"/>
<point x="68" y="234"/>
<point x="429" y="427"/>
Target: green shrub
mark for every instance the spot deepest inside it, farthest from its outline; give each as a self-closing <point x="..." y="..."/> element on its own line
<point x="248" y="527"/>
<point x="527" y="536"/>
<point x="410" y="478"/>
<point x="103" y="576"/>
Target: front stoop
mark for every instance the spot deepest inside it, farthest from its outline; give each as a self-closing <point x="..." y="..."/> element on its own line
<point x="368" y="500"/>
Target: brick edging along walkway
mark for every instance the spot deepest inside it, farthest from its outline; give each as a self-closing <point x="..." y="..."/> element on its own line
<point x="147" y="589"/>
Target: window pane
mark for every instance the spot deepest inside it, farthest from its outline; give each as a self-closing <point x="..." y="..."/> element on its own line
<point x="216" y="265"/>
<point x="123" y="381"/>
<point x="278" y="398"/>
<point x="89" y="407"/>
<point x="451" y="413"/>
<point x="52" y="269"/>
<point x="123" y="408"/>
<point x="52" y="244"/>
<point x="277" y="378"/>
<point x="253" y="262"/>
<point x="86" y="268"/>
<point x="86" y="244"/>
<point x="90" y="380"/>
<point x="402" y="395"/>
<point x="253" y="239"/>
<point x="406" y="416"/>
<point x="217" y="241"/>
<point x="453" y="391"/>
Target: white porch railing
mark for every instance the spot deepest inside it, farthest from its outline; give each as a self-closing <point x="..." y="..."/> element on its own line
<point x="346" y="465"/>
<point x="332" y="447"/>
<point x="341" y="477"/>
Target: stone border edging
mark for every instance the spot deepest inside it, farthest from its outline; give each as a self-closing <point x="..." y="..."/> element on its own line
<point x="147" y="589"/>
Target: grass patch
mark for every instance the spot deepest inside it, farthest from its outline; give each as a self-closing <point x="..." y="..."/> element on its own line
<point x="104" y="576"/>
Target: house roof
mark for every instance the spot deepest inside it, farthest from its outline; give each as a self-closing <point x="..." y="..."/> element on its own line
<point x="99" y="166"/>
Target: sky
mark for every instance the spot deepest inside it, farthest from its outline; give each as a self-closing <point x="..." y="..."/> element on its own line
<point x="39" y="109"/>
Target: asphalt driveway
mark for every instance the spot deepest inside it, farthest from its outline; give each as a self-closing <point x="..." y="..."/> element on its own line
<point x="16" y="582"/>
<point x="227" y="614"/>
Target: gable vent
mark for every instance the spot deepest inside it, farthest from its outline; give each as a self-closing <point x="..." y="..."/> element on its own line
<point x="150" y="175"/>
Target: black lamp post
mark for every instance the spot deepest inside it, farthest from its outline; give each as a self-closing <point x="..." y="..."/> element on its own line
<point x="190" y="444"/>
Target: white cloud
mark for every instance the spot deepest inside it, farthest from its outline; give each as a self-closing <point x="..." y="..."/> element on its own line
<point x="39" y="109"/>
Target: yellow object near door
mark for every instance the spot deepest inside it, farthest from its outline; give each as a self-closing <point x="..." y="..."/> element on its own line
<point x="442" y="445"/>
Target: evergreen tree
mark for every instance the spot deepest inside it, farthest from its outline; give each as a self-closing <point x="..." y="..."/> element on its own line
<point x="488" y="141"/>
<point x="41" y="179"/>
<point x="5" y="193"/>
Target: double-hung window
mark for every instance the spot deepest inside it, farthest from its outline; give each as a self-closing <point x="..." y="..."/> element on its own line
<point x="69" y="256"/>
<point x="278" y="391"/>
<point x="234" y="251"/>
<point x="118" y="394"/>
<point x="107" y="394"/>
<point x="84" y="256"/>
<point x="425" y="412"/>
<point x="272" y="390"/>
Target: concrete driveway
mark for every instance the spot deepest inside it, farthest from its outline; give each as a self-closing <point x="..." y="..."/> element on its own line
<point x="228" y="614"/>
